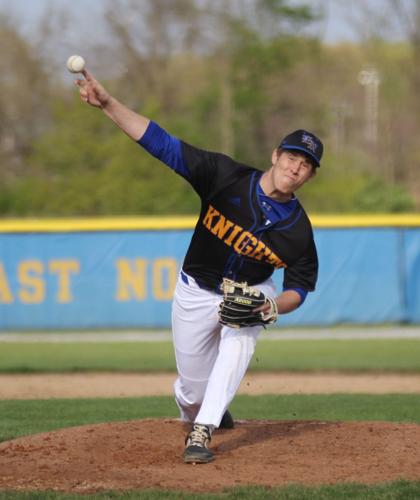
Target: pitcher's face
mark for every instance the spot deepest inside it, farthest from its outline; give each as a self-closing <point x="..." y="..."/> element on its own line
<point x="291" y="170"/>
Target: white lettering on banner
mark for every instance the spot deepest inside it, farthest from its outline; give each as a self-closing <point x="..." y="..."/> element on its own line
<point x="32" y="277"/>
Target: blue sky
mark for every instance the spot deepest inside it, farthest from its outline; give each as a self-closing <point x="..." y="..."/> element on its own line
<point x="344" y="17"/>
<point x="335" y="29"/>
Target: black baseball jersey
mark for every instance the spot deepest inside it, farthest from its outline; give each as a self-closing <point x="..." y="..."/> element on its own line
<point x="232" y="237"/>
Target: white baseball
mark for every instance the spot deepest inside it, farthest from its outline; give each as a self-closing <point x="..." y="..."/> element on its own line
<point x="75" y="64"/>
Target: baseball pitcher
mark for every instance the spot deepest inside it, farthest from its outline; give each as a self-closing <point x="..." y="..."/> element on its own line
<point x="250" y="224"/>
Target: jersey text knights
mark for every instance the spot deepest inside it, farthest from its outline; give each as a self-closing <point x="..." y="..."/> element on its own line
<point x="232" y="237"/>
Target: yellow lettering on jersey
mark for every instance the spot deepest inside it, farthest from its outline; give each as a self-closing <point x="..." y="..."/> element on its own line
<point x="235" y="231"/>
<point x="244" y="242"/>
<point x="258" y="253"/>
<point x="221" y="227"/>
<point x="275" y="261"/>
<point x="250" y="245"/>
<point x="243" y="236"/>
<point x="267" y="253"/>
<point x="131" y="281"/>
<point x="64" y="269"/>
<point x="30" y="278"/>
<point x="210" y="215"/>
<point x="6" y="296"/>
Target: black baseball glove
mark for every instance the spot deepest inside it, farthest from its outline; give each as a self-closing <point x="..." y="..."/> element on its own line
<point x="239" y="301"/>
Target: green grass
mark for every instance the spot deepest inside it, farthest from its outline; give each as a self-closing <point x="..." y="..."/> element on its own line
<point x="378" y="355"/>
<point x="71" y="357"/>
<point x="19" y="418"/>
<point x="398" y="490"/>
<point x="402" y="355"/>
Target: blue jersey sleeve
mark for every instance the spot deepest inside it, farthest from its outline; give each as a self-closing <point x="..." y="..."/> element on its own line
<point x="165" y="148"/>
<point x="302" y="293"/>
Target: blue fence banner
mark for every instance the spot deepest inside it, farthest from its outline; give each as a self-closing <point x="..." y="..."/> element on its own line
<point x="411" y="275"/>
<point x="125" y="278"/>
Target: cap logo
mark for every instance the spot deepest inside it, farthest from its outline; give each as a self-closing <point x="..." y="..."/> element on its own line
<point x="308" y="140"/>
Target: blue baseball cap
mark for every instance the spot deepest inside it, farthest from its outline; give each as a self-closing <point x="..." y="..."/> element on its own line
<point x="306" y="142"/>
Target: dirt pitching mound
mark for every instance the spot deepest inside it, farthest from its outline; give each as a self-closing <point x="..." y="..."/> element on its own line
<point x="148" y="454"/>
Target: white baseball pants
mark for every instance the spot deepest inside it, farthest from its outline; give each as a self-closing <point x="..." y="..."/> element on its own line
<point x="211" y="358"/>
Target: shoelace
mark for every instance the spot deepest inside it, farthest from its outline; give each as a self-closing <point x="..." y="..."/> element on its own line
<point x="198" y="436"/>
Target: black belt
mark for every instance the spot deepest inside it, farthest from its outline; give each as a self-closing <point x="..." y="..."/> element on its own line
<point x="186" y="280"/>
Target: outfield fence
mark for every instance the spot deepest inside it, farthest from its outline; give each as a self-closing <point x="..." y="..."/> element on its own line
<point x="121" y="272"/>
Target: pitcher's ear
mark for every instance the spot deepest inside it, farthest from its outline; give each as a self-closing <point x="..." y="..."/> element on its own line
<point x="313" y="173"/>
<point x="275" y="155"/>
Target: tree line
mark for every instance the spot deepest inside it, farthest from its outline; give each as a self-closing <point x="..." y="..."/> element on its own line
<point x="231" y="76"/>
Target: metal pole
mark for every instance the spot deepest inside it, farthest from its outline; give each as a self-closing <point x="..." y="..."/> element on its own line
<point x="370" y="80"/>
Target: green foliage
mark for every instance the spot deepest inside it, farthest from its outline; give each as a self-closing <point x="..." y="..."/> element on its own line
<point x="86" y="166"/>
<point x="349" y="187"/>
<point x="238" y="94"/>
<point x="377" y="196"/>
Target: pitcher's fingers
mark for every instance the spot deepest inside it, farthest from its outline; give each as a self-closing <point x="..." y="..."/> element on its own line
<point x="263" y="308"/>
<point x="80" y="83"/>
<point x="84" y="94"/>
<point x="88" y="75"/>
